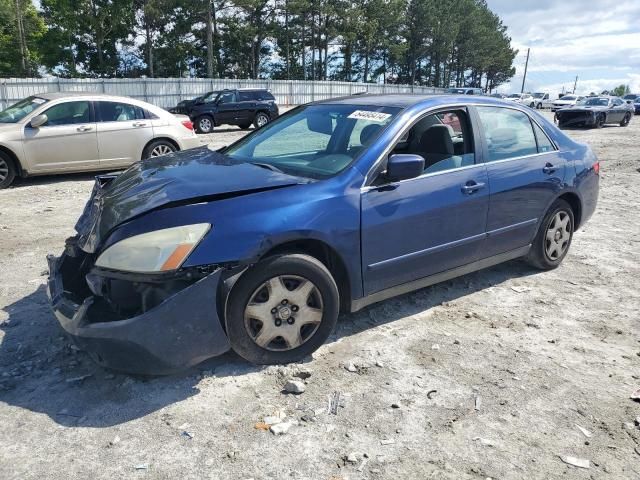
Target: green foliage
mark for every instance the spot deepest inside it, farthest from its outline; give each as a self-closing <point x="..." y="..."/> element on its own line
<point x="621" y="90"/>
<point x="20" y="54"/>
<point x="424" y="42"/>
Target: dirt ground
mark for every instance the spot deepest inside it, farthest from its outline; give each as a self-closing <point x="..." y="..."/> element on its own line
<point x="492" y="375"/>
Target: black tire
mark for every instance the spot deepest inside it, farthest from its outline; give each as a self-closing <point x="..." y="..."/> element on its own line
<point x="158" y="148"/>
<point x="600" y="121"/>
<point x="538" y="255"/>
<point x="261" y="120"/>
<point x="250" y="286"/>
<point x="245" y="126"/>
<point x="625" y="121"/>
<point x="205" y="124"/>
<point x="8" y="170"/>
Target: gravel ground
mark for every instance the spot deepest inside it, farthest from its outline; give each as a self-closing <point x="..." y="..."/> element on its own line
<point x="495" y="374"/>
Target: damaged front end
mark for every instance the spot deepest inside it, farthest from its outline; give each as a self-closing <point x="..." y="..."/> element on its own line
<point x="576" y="118"/>
<point x="144" y="324"/>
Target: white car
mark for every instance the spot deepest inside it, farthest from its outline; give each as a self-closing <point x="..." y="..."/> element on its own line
<point x="542" y="100"/>
<point x="566" y="101"/>
<point x="73" y="132"/>
<point x="523" y="99"/>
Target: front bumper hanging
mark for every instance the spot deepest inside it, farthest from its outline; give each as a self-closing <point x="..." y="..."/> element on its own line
<point x="181" y="331"/>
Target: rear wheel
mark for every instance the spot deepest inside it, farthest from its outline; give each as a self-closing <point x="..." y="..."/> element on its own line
<point x="8" y="170"/>
<point x="625" y="121"/>
<point x="282" y="309"/>
<point x="261" y="120"/>
<point x="553" y="238"/>
<point x="158" y="148"/>
<point x="245" y="126"/>
<point x="204" y="124"/>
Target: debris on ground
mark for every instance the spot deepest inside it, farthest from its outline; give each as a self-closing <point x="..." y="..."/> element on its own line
<point x="584" y="431"/>
<point x="78" y="379"/>
<point x="334" y="402"/>
<point x="282" y="427"/>
<point x="477" y="403"/>
<point x="520" y="289"/>
<point x="635" y="395"/>
<point x="387" y="441"/>
<point x="351" y="367"/>
<point x="294" y="386"/>
<point x="484" y="441"/>
<point x="431" y="393"/>
<point x="575" y="461"/>
<point x="142" y="466"/>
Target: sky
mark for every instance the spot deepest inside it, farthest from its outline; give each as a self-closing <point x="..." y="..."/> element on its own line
<point x="597" y="40"/>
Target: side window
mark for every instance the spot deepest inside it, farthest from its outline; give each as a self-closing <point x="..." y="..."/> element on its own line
<point x="617" y="102"/>
<point x="544" y="144"/>
<point x="245" y="96"/>
<point x="266" y="96"/>
<point x="227" y="97"/>
<point x="210" y="97"/>
<point x="508" y="133"/>
<point x="444" y="139"/>
<point x="118" y="112"/>
<point x="68" y="113"/>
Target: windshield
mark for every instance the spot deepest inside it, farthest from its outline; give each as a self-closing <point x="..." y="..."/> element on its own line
<point x="631" y="96"/>
<point x="457" y="90"/>
<point x="514" y="95"/>
<point x="538" y="95"/>
<point x="314" y="141"/>
<point x="209" y="97"/>
<point x="600" y="102"/>
<point x="18" y="111"/>
<point x="570" y="98"/>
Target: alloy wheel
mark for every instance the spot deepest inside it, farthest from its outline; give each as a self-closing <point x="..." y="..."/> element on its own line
<point x="558" y="235"/>
<point x="161" y="150"/>
<point x="4" y="170"/>
<point x="205" y="125"/>
<point x="283" y="313"/>
<point x="262" y="120"/>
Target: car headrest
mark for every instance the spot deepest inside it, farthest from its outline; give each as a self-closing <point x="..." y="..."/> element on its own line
<point x="437" y="139"/>
<point x="368" y="132"/>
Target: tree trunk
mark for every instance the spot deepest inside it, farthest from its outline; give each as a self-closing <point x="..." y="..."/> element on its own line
<point x="209" y="40"/>
<point x="286" y="30"/>
<point x="216" y="40"/>
<point x="24" y="53"/>
<point x="149" y="48"/>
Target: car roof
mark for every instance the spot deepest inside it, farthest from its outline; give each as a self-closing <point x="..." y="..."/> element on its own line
<point x="405" y="100"/>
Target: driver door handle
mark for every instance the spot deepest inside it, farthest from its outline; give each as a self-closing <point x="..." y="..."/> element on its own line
<point x="84" y="128"/>
<point x="139" y="124"/>
<point x="471" y="187"/>
<point x="549" y="169"/>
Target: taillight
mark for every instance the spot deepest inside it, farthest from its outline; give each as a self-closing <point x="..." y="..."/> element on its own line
<point x="187" y="124"/>
<point x="596" y="168"/>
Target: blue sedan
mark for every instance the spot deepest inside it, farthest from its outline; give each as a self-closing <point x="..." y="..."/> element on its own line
<point x="336" y="205"/>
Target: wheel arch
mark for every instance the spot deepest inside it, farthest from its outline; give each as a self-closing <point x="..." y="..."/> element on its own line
<point x="576" y="205"/>
<point x="324" y="253"/>
<point x="11" y="154"/>
<point x="163" y="137"/>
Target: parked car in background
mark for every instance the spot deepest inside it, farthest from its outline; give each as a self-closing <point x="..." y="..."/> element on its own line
<point x="566" y="101"/>
<point x="465" y="91"/>
<point x="596" y="112"/>
<point x="632" y="96"/>
<point x="185" y="106"/>
<point x="242" y="107"/>
<point x="541" y="100"/>
<point x="523" y="99"/>
<point x="332" y="207"/>
<point x="72" y="132"/>
<point x="636" y="106"/>
<point x="498" y="95"/>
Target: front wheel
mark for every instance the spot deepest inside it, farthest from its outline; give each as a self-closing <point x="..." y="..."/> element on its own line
<point x="625" y="121"/>
<point x="553" y="238"/>
<point x="282" y="309"/>
<point x="600" y="121"/>
<point x="261" y="120"/>
<point x="205" y="124"/>
<point x="7" y="170"/>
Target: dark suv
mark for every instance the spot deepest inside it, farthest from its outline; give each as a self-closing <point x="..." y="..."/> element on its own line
<point x="241" y="107"/>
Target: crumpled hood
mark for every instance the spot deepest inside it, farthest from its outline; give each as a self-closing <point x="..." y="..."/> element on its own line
<point x="586" y="108"/>
<point x="190" y="176"/>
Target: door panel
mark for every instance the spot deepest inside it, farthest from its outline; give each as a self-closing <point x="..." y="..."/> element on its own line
<point x="227" y="108"/>
<point x="123" y="133"/>
<point x="422" y="226"/>
<point x="67" y="141"/>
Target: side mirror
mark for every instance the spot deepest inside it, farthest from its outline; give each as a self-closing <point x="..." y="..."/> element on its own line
<point x="38" y="120"/>
<point x="629" y="102"/>
<point x="402" y="166"/>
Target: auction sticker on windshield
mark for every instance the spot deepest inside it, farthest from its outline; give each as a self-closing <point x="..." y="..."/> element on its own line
<point x="371" y="116"/>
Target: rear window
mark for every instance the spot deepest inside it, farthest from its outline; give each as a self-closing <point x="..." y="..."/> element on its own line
<point x="118" y="112"/>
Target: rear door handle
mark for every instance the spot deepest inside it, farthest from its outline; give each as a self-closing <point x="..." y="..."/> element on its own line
<point x="471" y="187"/>
<point x="139" y="124"/>
<point x="84" y="128"/>
<point x="549" y="169"/>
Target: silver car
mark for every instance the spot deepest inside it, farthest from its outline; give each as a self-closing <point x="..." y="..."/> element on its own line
<point x="74" y="132"/>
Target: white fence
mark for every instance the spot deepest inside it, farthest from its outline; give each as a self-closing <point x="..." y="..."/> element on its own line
<point x="167" y="92"/>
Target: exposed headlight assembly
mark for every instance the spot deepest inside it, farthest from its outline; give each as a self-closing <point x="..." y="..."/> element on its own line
<point x="159" y="251"/>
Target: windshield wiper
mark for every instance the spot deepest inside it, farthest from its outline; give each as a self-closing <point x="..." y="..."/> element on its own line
<point x="268" y="166"/>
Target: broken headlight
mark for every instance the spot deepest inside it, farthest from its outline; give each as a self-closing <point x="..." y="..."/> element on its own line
<point x="158" y="251"/>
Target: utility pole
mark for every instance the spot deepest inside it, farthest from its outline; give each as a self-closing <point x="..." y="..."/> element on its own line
<point x="526" y="66"/>
<point x="575" y="85"/>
